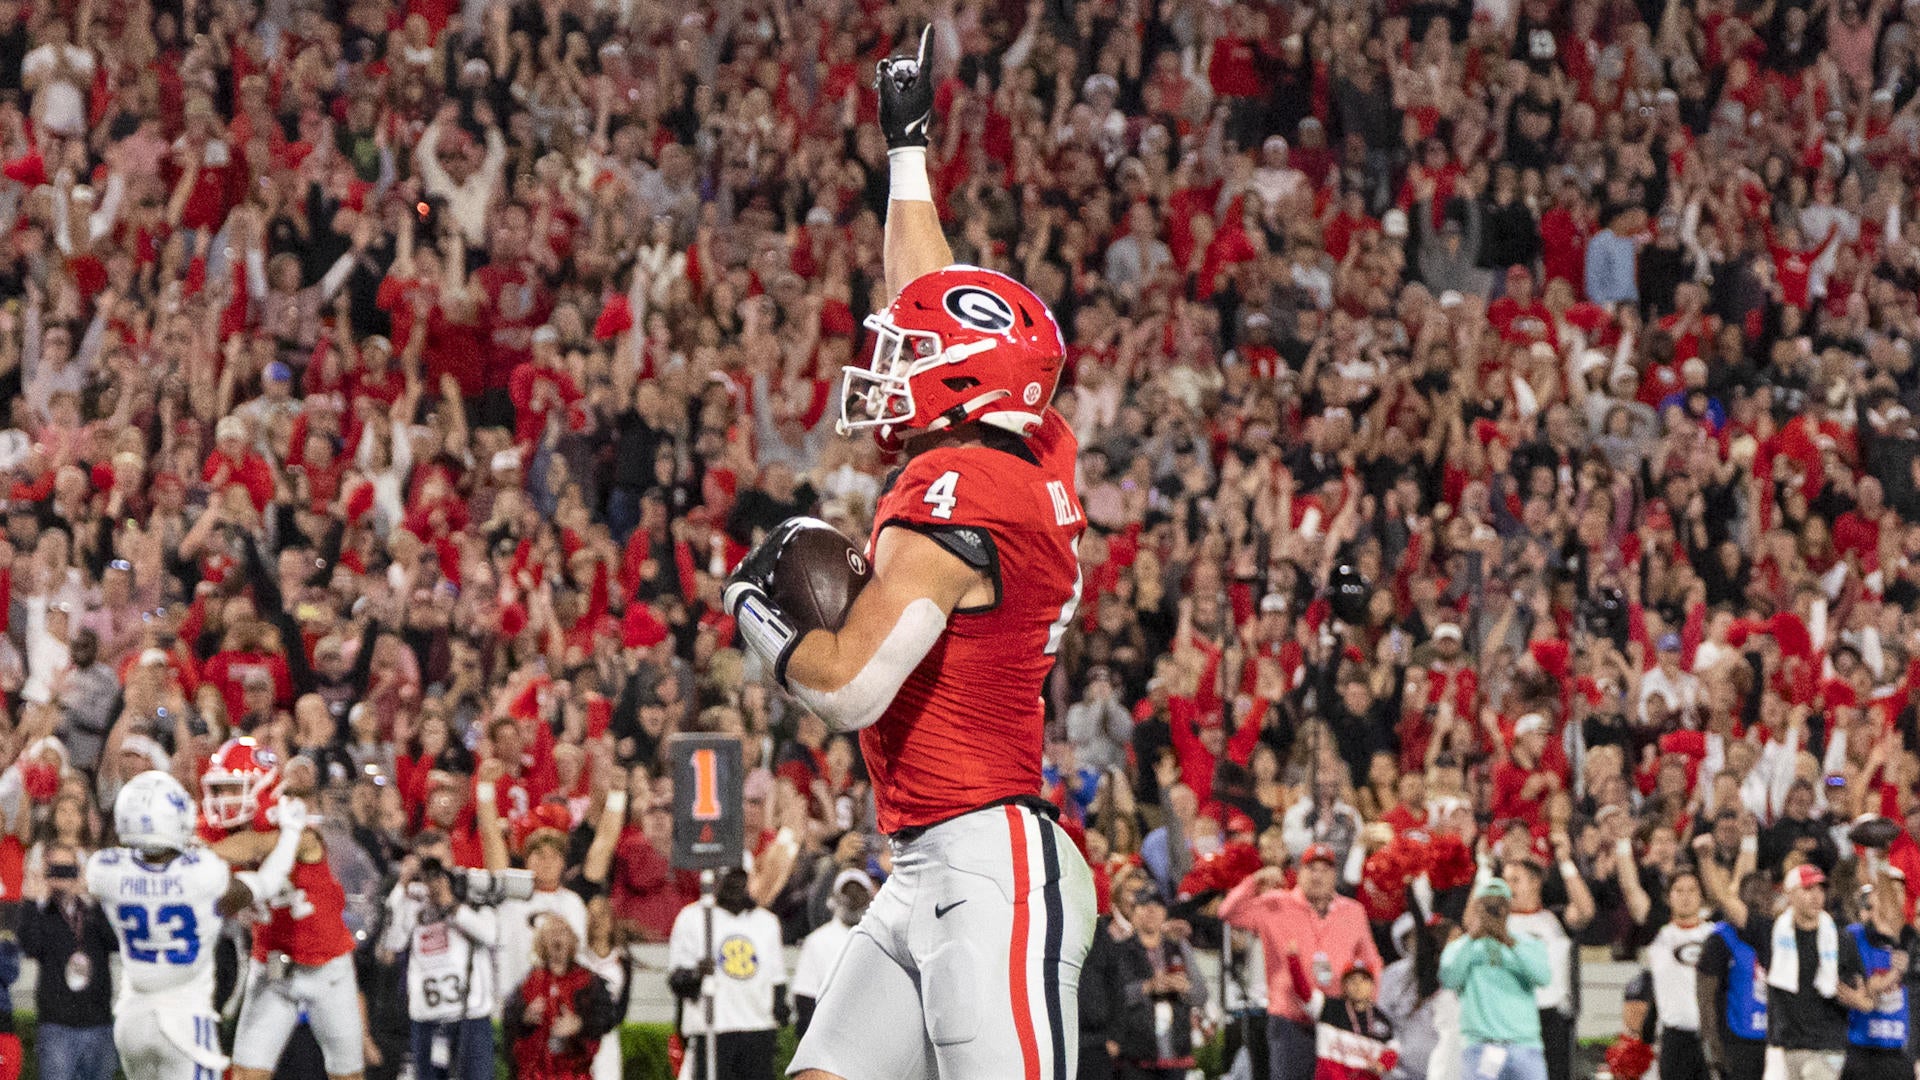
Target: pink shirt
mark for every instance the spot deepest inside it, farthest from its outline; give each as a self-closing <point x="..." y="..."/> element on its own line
<point x="1330" y="945"/>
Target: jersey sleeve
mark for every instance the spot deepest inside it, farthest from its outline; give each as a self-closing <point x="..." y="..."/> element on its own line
<point x="683" y="945"/>
<point x="950" y="497"/>
<point x="209" y="876"/>
<point x="103" y="873"/>
<point x="773" y="947"/>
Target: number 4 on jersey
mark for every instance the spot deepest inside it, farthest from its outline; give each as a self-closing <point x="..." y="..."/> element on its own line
<point x="940" y="495"/>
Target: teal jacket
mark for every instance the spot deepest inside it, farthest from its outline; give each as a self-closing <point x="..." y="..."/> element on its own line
<point x="1496" y="983"/>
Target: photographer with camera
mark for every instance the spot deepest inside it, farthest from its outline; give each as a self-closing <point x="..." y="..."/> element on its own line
<point x="449" y="939"/>
<point x="1496" y="974"/>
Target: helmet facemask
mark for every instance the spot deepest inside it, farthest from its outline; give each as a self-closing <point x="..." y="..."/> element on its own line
<point x="230" y="801"/>
<point x="884" y="389"/>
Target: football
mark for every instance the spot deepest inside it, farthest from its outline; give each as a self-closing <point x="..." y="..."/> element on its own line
<point x="1874" y="832"/>
<point x="819" y="573"/>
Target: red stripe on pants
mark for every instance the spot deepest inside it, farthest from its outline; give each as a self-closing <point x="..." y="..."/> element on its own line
<point x="1017" y="952"/>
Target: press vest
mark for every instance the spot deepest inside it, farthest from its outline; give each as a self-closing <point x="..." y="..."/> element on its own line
<point x="1885" y="1026"/>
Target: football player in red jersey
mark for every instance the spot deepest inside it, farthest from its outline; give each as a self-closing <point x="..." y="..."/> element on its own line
<point x="968" y="961"/>
<point x="302" y="949"/>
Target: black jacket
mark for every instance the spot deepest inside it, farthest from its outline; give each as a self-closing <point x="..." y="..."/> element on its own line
<point x="1132" y="1018"/>
<point x="47" y="936"/>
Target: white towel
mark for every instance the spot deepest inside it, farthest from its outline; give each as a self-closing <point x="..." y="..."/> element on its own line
<point x="1784" y="971"/>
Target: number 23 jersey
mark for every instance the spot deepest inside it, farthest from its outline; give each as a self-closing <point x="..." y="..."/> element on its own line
<point x="965" y="728"/>
<point x="166" y="916"/>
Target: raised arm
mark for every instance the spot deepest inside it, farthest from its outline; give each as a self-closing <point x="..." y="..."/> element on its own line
<point x="915" y="244"/>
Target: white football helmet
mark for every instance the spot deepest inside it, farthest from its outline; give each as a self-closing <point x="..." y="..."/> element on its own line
<point x="153" y="813"/>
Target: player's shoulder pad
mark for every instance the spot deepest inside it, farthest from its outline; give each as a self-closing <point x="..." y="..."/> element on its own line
<point x="969" y="543"/>
<point x="102" y="867"/>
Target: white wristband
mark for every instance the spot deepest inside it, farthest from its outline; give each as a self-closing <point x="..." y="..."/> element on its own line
<point x="907" y="175"/>
<point x="617" y="802"/>
<point x="1568" y="869"/>
<point x="1749" y="843"/>
<point x="484" y="793"/>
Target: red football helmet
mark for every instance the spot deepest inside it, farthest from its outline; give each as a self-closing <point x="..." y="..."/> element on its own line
<point x="957" y="344"/>
<point x="241" y="783"/>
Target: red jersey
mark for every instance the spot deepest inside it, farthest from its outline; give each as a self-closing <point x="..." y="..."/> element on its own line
<point x="965" y="728"/>
<point x="306" y="920"/>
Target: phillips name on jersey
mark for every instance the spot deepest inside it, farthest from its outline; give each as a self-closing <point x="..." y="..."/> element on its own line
<point x="166" y="917"/>
<point x="965" y="728"/>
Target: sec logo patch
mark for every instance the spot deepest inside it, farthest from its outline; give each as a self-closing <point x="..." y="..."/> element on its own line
<point x="1032" y="393"/>
<point x="738" y="960"/>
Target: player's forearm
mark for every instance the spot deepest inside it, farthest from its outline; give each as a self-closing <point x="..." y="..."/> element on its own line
<point x="277" y="868"/>
<point x="493" y="846"/>
<point x="1707" y="997"/>
<point x="849" y="683"/>
<point x="915" y="243"/>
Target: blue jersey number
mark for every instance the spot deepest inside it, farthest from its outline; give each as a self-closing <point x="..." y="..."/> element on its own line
<point x="180" y="930"/>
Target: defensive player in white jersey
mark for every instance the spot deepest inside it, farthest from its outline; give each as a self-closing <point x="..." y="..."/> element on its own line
<point x="167" y="897"/>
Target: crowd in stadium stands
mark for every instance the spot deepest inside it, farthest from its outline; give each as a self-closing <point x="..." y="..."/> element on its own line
<point x="1498" y="427"/>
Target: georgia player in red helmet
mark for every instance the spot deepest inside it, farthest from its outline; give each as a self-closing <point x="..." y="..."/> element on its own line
<point x="302" y="949"/>
<point x="976" y="941"/>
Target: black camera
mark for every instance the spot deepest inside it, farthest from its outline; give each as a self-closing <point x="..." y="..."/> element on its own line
<point x="1604" y="614"/>
<point x="473" y="887"/>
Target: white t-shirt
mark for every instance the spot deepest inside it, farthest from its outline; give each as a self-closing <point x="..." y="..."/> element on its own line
<point x="747" y="964"/>
<point x="167" y="920"/>
<point x="445" y="962"/>
<point x="1544" y="926"/>
<point x="515" y="955"/>
<point x="819" y="955"/>
<point x="60" y="104"/>
<point x="1672" y="958"/>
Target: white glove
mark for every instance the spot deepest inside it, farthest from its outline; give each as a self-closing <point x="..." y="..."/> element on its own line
<point x="290" y="815"/>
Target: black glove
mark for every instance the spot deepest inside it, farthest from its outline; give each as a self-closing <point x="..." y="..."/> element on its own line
<point x="748" y="598"/>
<point x="906" y="96"/>
<point x="684" y="982"/>
<point x="756" y="570"/>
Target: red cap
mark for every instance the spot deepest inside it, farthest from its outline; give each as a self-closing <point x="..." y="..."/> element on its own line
<point x="1317" y="853"/>
<point x="547" y="817"/>
<point x="1804" y="876"/>
<point x="1238" y="822"/>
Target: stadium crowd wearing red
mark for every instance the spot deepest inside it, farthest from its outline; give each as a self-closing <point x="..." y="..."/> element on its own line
<point x="1498" y="417"/>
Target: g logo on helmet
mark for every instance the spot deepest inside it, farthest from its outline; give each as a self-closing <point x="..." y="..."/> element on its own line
<point x="1032" y="393"/>
<point x="979" y="309"/>
<point x="855" y="562"/>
